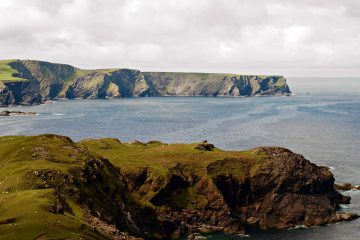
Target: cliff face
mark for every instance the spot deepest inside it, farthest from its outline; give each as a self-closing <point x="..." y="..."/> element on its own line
<point x="32" y="82"/>
<point x="208" y="84"/>
<point x="106" y="189"/>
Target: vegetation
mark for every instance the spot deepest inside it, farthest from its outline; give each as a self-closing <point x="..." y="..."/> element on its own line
<point x="35" y="169"/>
<point x="161" y="157"/>
<point x="51" y="81"/>
<point x="7" y="72"/>
<point x="28" y="204"/>
<point x="54" y="188"/>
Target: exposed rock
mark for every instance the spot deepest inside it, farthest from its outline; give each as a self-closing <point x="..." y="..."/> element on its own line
<point x="6" y="96"/>
<point x="92" y="85"/>
<point x="109" y="230"/>
<point x="346" y="187"/>
<point x="205" y="146"/>
<point x="7" y="221"/>
<point x="7" y="113"/>
<point x="42" y="81"/>
<point x="284" y="192"/>
<point x="137" y="142"/>
<point x="22" y="93"/>
<point x="60" y="205"/>
<point x="157" y="191"/>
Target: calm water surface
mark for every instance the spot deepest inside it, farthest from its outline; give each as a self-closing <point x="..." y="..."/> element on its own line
<point x="325" y="128"/>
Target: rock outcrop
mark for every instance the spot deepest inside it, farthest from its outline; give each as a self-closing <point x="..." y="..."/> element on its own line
<point x="284" y="192"/>
<point x="6" y="96"/>
<point x="33" y="82"/>
<point x="15" y="113"/>
<point x="347" y="187"/>
<point x="154" y="190"/>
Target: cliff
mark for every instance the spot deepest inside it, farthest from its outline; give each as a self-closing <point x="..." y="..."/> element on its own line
<point x="29" y="82"/>
<point x="52" y="187"/>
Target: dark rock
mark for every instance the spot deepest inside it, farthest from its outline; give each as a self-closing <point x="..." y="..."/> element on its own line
<point x="205" y="146"/>
<point x="284" y="191"/>
<point x="6" y="96"/>
<point x="7" y="221"/>
<point x="15" y="113"/>
<point x="345" y="200"/>
<point x="346" y="187"/>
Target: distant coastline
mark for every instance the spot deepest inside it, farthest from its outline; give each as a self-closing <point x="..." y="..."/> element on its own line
<point x="30" y="82"/>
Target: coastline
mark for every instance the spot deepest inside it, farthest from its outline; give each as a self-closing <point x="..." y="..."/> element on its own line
<point x="187" y="182"/>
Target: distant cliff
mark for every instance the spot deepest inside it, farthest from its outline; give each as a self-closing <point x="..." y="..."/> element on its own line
<point x="28" y="82"/>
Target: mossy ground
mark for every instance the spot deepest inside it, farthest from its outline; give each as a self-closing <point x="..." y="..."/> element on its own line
<point x="29" y="207"/>
<point x="6" y="72"/>
<point x="25" y="202"/>
<point x="160" y="157"/>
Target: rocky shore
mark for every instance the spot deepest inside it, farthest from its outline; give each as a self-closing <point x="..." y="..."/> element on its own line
<point x="108" y="189"/>
<point x="347" y="187"/>
<point x="7" y="113"/>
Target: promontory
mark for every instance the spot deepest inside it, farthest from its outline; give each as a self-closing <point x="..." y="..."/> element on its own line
<point x="54" y="188"/>
<point x="29" y="82"/>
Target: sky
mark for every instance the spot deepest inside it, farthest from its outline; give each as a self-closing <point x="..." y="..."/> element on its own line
<point x="286" y="37"/>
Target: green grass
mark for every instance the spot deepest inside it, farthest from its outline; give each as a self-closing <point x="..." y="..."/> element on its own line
<point x="6" y="72"/>
<point x="280" y="83"/>
<point x="33" y="220"/>
<point x="160" y="157"/>
<point x="26" y="199"/>
<point x="28" y="205"/>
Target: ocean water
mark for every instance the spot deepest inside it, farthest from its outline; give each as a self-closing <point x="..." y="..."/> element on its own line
<point x="323" y="126"/>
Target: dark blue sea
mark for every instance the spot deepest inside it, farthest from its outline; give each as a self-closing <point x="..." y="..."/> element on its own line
<point x="323" y="124"/>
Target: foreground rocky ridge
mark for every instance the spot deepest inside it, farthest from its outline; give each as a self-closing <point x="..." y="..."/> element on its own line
<point x="52" y="187"/>
<point x="29" y="82"/>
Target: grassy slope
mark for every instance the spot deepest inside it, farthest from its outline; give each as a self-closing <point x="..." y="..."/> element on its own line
<point x="168" y="83"/>
<point x="160" y="156"/>
<point x="6" y="72"/>
<point x="27" y="207"/>
<point x="160" y="159"/>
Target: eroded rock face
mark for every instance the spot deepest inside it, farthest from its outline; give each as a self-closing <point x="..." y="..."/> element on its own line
<point x="19" y="93"/>
<point x="92" y="85"/>
<point x="6" y="96"/>
<point x="45" y="81"/>
<point x="284" y="191"/>
<point x="216" y="190"/>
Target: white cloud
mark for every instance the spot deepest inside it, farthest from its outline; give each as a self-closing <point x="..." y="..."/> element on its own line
<point x="245" y="36"/>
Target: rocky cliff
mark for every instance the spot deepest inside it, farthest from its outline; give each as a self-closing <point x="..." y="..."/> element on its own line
<point x="54" y="188"/>
<point x="29" y="82"/>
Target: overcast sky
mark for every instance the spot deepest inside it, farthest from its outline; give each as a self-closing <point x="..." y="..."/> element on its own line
<point x="293" y="38"/>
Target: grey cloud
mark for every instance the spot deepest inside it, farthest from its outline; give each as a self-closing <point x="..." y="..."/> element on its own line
<point x="319" y="37"/>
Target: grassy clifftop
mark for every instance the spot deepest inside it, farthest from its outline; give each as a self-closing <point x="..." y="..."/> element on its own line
<point x="7" y="73"/>
<point x="54" y="188"/>
<point x="31" y="82"/>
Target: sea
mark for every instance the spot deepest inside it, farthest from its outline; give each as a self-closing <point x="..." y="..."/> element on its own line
<point x="321" y="121"/>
